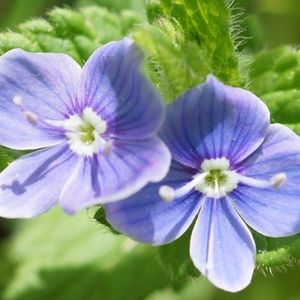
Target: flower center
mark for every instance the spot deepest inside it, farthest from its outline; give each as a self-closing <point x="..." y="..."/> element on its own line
<point x="215" y="180"/>
<point x="87" y="133"/>
<point x="215" y="177"/>
<point x="84" y="133"/>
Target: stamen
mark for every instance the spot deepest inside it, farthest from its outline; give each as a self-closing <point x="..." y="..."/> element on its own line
<point x="217" y="180"/>
<point x="168" y="194"/>
<point x="17" y="100"/>
<point x="31" y="117"/>
<point x="276" y="181"/>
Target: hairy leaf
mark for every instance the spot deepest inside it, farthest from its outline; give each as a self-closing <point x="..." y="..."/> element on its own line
<point x="75" y="33"/>
<point x="185" y="41"/>
<point x="275" y="78"/>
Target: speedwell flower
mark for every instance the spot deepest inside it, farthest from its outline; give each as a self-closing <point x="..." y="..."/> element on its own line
<point x="229" y="166"/>
<point x="97" y="126"/>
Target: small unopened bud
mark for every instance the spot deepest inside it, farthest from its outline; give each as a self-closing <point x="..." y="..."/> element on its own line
<point x="278" y="180"/>
<point x="166" y="193"/>
<point x="17" y="100"/>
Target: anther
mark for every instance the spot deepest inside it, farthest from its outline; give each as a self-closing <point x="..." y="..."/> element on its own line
<point x="17" y="100"/>
<point x="166" y="193"/>
<point x="31" y="117"/>
<point x="278" y="180"/>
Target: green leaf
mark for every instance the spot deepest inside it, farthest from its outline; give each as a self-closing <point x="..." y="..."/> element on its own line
<point x="284" y="105"/>
<point x="275" y="78"/>
<point x="206" y="23"/>
<point x="185" y="41"/>
<point x="99" y="216"/>
<point x="176" y="261"/>
<point x="116" y="5"/>
<point x="174" y="258"/>
<point x="279" y="252"/>
<point x="75" y="33"/>
<point x="9" y="155"/>
<point x="63" y="257"/>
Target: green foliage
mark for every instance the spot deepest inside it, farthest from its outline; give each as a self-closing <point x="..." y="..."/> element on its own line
<point x="272" y="254"/>
<point x="15" y="11"/>
<point x="279" y="252"/>
<point x="75" y="33"/>
<point x="275" y="78"/>
<point x="9" y="155"/>
<point x="207" y="24"/>
<point x="99" y="216"/>
<point x="176" y="261"/>
<point x="116" y="5"/>
<point x="62" y="257"/>
<point x="58" y="257"/>
<point x="185" y="41"/>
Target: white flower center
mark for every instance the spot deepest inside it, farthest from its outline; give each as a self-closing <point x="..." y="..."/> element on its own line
<point x="216" y="180"/>
<point x="84" y="133"/>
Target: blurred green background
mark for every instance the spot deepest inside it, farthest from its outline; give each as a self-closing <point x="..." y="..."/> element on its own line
<point x="271" y="22"/>
<point x="72" y="258"/>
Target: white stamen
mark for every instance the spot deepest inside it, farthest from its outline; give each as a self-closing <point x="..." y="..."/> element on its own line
<point x="216" y="180"/>
<point x="166" y="193"/>
<point x="29" y="115"/>
<point x="190" y="185"/>
<point x="17" y="100"/>
<point x="84" y="133"/>
<point x="276" y="181"/>
<point x="254" y="182"/>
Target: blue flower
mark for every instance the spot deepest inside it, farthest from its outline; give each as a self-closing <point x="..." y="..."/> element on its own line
<point x="229" y="167"/>
<point x="97" y="127"/>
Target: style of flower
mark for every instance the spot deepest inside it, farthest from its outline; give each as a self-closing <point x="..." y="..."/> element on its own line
<point x="229" y="167"/>
<point x="98" y="127"/>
